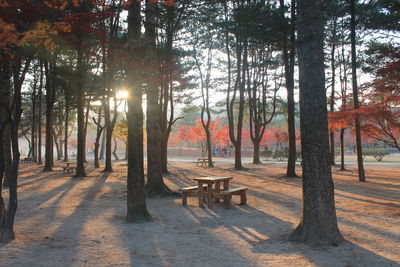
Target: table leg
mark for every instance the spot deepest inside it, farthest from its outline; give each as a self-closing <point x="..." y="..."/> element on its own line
<point x="200" y="193"/>
<point x="209" y="194"/>
<point x="226" y="184"/>
<point x="217" y="189"/>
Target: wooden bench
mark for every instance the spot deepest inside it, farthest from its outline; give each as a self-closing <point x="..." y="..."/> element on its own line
<point x="202" y="161"/>
<point x="191" y="191"/>
<point x="69" y="167"/>
<point x="226" y="195"/>
<point x="28" y="160"/>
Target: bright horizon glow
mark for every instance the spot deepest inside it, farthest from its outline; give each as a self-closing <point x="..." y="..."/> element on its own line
<point x="122" y="94"/>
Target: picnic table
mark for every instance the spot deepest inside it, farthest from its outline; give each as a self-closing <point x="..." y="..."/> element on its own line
<point x="206" y="191"/>
<point x="28" y="160"/>
<point x="69" y="167"/>
<point x="202" y="161"/>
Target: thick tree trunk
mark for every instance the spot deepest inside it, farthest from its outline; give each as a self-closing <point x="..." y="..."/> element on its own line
<point x="155" y="184"/>
<point x="7" y="154"/>
<point x="136" y="193"/>
<point x="360" y="164"/>
<point x="50" y="98"/>
<point x="256" y="152"/>
<point x="318" y="224"/>
<point x="80" y="159"/>
<point x="108" y="134"/>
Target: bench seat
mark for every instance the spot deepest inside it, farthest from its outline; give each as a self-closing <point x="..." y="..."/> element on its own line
<point x="191" y="191"/>
<point x="226" y="195"/>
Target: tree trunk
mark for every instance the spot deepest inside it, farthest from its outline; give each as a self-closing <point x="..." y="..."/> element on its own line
<point x="333" y="79"/>
<point x="360" y="164"/>
<point x="136" y="193"/>
<point x="80" y="159"/>
<point x="155" y="183"/>
<point x="7" y="154"/>
<point x="342" y="167"/>
<point x="115" y="149"/>
<point x="318" y="224"/>
<point x="39" y="116"/>
<point x="66" y="130"/>
<point x="102" y="147"/>
<point x="50" y="98"/>
<point x="256" y="152"/>
<point x="288" y="59"/>
<point x="108" y="134"/>
<point x="33" y="126"/>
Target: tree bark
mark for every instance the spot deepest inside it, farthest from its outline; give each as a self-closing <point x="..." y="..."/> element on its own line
<point x="50" y="98"/>
<point x="136" y="193"/>
<point x="66" y="128"/>
<point x="342" y="167"/>
<point x="318" y="224"/>
<point x="80" y="159"/>
<point x="333" y="80"/>
<point x="360" y="164"/>
<point x="39" y="115"/>
<point x="155" y="184"/>
<point x="115" y="149"/>
<point x="288" y="59"/>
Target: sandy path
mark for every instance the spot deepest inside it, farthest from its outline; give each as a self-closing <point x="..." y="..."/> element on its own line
<point x="80" y="222"/>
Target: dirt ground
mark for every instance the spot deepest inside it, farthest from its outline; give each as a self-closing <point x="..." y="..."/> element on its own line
<point x="63" y="221"/>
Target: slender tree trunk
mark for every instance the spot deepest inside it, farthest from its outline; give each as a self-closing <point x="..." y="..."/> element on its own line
<point x="66" y="130"/>
<point x="318" y="224"/>
<point x="333" y="80"/>
<point x="39" y="115"/>
<point x="102" y="147"/>
<point x="136" y="193"/>
<point x="115" y="149"/>
<point x="360" y="164"/>
<point x="86" y="125"/>
<point x="33" y="126"/>
<point x="288" y="59"/>
<point x="80" y="159"/>
<point x="50" y="98"/>
<point x="342" y="167"/>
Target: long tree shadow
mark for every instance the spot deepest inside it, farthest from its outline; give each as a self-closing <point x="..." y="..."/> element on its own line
<point x="63" y="226"/>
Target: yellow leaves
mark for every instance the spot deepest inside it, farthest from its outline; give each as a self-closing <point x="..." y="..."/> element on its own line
<point x="43" y="34"/>
<point x="8" y="34"/>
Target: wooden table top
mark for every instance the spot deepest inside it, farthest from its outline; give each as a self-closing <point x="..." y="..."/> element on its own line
<point x="213" y="178"/>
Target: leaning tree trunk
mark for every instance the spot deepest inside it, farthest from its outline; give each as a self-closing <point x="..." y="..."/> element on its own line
<point x="360" y="164"/>
<point x="318" y="224"/>
<point x="136" y="193"/>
